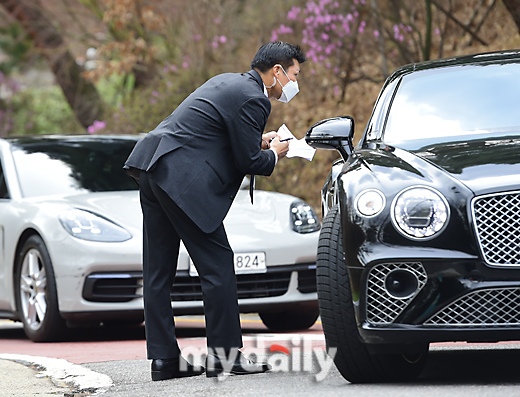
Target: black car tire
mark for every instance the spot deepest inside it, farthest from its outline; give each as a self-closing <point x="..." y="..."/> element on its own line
<point x="35" y="286"/>
<point x="289" y="320"/>
<point x="352" y="357"/>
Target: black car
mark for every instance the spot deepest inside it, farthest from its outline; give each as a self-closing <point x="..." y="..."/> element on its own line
<point x="421" y="237"/>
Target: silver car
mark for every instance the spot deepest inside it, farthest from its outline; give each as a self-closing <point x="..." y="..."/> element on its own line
<point x="71" y="242"/>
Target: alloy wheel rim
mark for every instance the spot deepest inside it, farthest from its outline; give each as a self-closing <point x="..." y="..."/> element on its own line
<point x="33" y="286"/>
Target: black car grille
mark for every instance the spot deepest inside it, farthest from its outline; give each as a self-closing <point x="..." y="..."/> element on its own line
<point x="123" y="287"/>
<point x="497" y="221"/>
<point x="496" y="307"/>
<point x="275" y="282"/>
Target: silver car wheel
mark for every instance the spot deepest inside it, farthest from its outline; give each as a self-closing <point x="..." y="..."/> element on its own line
<point x="33" y="289"/>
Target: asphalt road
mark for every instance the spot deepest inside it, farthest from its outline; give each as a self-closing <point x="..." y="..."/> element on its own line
<point x="111" y="362"/>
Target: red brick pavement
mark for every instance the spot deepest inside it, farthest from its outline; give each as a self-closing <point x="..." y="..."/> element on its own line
<point x="113" y="344"/>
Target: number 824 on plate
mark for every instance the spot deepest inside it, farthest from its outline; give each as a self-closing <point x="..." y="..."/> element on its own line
<point x="245" y="263"/>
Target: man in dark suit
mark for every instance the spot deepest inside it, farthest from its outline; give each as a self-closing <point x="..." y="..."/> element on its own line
<point x="189" y="169"/>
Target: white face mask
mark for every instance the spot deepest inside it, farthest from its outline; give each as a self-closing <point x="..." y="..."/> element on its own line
<point x="289" y="90"/>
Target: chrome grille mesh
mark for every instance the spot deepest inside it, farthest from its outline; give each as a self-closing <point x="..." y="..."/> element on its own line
<point x="383" y="308"/>
<point x="497" y="220"/>
<point x="488" y="307"/>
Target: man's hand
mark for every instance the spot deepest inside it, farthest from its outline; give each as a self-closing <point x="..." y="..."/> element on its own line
<point x="281" y="148"/>
<point x="266" y="139"/>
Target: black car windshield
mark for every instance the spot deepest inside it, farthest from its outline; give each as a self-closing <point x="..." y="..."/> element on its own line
<point x="458" y="103"/>
<point x="50" y="166"/>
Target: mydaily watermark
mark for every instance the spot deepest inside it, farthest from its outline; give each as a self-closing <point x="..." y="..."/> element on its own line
<point x="295" y="355"/>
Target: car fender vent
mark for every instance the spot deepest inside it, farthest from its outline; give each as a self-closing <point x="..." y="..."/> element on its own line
<point x="113" y="287"/>
<point x="384" y="305"/>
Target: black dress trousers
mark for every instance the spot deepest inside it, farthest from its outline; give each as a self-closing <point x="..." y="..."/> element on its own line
<point x="165" y="225"/>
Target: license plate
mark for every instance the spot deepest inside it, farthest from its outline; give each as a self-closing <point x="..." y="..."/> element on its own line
<point x="245" y="263"/>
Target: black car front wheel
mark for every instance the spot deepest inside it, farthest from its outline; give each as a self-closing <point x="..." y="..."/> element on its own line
<point x="352" y="358"/>
<point x="36" y="293"/>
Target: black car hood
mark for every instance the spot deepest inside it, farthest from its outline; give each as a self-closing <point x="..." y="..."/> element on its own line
<point x="484" y="165"/>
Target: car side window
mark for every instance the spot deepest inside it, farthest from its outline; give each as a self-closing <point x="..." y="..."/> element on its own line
<point x="4" y="192"/>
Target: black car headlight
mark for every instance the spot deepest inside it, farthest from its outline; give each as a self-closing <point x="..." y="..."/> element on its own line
<point x="420" y="212"/>
<point x="88" y="226"/>
<point x="303" y="217"/>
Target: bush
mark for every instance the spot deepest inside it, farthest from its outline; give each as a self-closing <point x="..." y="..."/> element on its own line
<point x="37" y="111"/>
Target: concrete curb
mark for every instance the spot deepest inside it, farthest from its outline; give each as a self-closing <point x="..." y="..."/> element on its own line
<point x="61" y="372"/>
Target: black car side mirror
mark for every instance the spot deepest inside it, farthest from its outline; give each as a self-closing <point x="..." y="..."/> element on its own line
<point x="335" y="133"/>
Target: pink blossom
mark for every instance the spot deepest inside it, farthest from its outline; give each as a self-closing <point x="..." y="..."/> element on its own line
<point x="284" y="29"/>
<point x="185" y="65"/>
<point x="293" y="13"/>
<point x="376" y="33"/>
<point x="222" y="39"/>
<point x="96" y="126"/>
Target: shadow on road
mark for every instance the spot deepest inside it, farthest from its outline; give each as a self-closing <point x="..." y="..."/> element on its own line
<point x="479" y="366"/>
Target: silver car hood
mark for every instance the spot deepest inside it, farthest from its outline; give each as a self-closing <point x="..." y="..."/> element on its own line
<point x="124" y="208"/>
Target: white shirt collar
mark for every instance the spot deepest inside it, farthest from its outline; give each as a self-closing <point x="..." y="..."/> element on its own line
<point x="265" y="91"/>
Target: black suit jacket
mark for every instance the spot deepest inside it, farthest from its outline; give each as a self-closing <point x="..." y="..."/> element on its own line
<point x="200" y="153"/>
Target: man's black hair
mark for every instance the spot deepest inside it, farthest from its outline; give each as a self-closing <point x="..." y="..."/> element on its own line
<point x="274" y="53"/>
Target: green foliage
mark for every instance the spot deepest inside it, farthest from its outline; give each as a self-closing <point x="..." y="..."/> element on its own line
<point x="15" y="44"/>
<point x="42" y="111"/>
<point x="144" y="108"/>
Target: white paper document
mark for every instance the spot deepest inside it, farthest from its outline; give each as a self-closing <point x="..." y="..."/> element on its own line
<point x="297" y="148"/>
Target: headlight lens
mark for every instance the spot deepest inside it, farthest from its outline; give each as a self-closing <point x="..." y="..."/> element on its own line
<point x="420" y="212"/>
<point x="370" y="202"/>
<point x="304" y="219"/>
<point x="88" y="226"/>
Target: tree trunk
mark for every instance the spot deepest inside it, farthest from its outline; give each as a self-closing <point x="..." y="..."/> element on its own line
<point x="426" y="50"/>
<point x="513" y="6"/>
<point x="81" y="95"/>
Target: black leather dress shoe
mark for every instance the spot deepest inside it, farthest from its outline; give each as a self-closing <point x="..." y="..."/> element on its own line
<point x="216" y="365"/>
<point x="173" y="368"/>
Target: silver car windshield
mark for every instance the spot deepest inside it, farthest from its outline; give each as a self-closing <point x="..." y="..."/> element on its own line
<point x="64" y="167"/>
<point x="455" y="104"/>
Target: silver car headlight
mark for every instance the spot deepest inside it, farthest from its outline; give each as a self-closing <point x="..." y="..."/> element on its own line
<point x="88" y="226"/>
<point x="303" y="217"/>
<point x="420" y="212"/>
